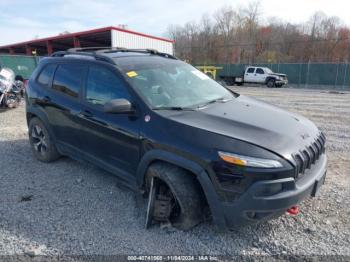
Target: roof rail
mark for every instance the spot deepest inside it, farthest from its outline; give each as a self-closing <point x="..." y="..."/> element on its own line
<point x="82" y="54"/>
<point x="121" y="49"/>
<point x="97" y="52"/>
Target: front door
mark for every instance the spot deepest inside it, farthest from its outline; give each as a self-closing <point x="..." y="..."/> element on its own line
<point x="260" y="75"/>
<point x="112" y="140"/>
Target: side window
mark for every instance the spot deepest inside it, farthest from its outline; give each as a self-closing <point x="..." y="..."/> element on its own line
<point x="250" y="70"/>
<point x="260" y="71"/>
<point x="103" y="85"/>
<point x="68" y="79"/>
<point x="46" y="75"/>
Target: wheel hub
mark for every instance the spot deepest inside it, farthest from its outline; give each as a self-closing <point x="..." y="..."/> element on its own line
<point x="160" y="203"/>
<point x="162" y="208"/>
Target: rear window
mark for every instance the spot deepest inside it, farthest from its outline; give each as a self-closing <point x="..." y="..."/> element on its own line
<point x="68" y="79"/>
<point x="46" y="75"/>
<point x="250" y="70"/>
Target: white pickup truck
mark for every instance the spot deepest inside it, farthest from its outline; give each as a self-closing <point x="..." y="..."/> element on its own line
<point x="257" y="75"/>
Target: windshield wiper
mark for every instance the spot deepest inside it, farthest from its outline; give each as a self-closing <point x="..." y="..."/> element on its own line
<point x="193" y="108"/>
<point x="221" y="99"/>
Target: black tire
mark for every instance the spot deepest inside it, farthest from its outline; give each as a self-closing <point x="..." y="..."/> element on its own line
<point x="42" y="144"/>
<point x="188" y="209"/>
<point x="270" y="83"/>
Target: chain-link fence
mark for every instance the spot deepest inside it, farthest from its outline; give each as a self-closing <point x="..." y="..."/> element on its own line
<point x="305" y="75"/>
<point x="21" y="65"/>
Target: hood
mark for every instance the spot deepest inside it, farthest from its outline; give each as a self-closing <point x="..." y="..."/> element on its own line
<point x="278" y="74"/>
<point x="252" y="121"/>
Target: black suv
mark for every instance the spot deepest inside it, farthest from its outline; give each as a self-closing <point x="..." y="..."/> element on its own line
<point x="173" y="134"/>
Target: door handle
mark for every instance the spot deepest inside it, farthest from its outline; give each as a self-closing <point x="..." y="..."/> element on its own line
<point x="89" y="116"/>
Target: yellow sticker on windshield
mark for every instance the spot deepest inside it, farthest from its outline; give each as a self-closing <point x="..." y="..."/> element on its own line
<point x="131" y="74"/>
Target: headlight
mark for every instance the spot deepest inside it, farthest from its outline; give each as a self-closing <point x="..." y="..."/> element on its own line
<point x="249" y="161"/>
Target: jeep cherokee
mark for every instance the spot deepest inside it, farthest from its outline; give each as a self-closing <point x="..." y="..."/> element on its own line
<point x="172" y="134"/>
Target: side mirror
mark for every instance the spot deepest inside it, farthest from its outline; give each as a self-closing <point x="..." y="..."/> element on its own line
<point x="118" y="106"/>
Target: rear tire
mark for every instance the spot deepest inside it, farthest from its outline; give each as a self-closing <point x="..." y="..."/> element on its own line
<point x="182" y="188"/>
<point x="42" y="144"/>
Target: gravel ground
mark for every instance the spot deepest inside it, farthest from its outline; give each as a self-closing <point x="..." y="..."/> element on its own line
<point x="72" y="208"/>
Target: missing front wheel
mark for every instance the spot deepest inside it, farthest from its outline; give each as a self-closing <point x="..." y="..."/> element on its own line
<point x="161" y="203"/>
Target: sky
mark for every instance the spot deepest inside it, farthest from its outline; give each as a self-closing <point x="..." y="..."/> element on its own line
<point x="22" y="20"/>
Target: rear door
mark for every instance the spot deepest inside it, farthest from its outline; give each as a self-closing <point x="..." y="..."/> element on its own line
<point x="111" y="140"/>
<point x="249" y="75"/>
<point x="63" y="104"/>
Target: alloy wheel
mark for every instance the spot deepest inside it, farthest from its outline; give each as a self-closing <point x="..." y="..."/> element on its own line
<point x="39" y="140"/>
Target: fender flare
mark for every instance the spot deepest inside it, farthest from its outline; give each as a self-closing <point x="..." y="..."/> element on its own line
<point x="41" y="114"/>
<point x="268" y="78"/>
<point x="200" y="173"/>
<point x="161" y="155"/>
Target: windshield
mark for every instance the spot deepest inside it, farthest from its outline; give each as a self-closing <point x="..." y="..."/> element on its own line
<point x="268" y="70"/>
<point x="169" y="83"/>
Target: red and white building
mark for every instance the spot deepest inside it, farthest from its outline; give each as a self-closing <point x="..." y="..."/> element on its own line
<point x="107" y="36"/>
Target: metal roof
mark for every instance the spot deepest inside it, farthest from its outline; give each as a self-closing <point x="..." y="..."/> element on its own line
<point x="94" y="37"/>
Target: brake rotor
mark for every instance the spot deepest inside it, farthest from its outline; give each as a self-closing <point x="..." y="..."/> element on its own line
<point x="159" y="205"/>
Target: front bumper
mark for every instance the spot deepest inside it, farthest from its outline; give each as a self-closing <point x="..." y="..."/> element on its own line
<point x="281" y="82"/>
<point x="252" y="208"/>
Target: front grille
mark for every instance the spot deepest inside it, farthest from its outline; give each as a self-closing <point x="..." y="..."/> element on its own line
<point x="308" y="156"/>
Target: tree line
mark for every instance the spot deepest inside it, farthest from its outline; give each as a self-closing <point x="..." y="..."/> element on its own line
<point x="241" y="36"/>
